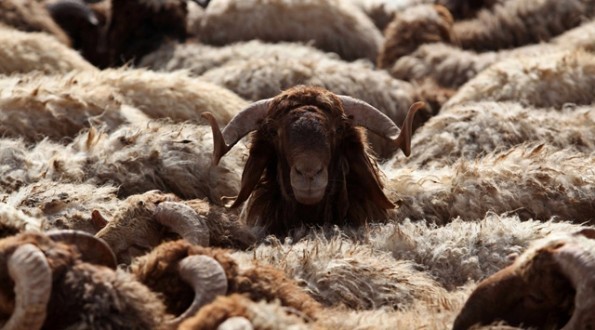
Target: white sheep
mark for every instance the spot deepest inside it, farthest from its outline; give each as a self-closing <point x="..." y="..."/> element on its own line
<point x="35" y="51"/>
<point x="65" y="205"/>
<point x="35" y="106"/>
<point x="451" y="66"/>
<point x="333" y="26"/>
<point x="472" y="130"/>
<point x="197" y="58"/>
<point x="31" y="16"/>
<point x="158" y="155"/>
<point x="549" y="80"/>
<point x="516" y="23"/>
<point x="533" y="181"/>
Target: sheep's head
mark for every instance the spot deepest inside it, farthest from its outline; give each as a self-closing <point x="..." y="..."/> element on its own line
<point x="29" y="262"/>
<point x="552" y="285"/>
<point x="146" y="220"/>
<point x="302" y="131"/>
<point x="309" y="163"/>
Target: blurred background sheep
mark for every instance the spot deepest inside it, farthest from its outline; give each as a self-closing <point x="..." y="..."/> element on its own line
<point x="101" y="132"/>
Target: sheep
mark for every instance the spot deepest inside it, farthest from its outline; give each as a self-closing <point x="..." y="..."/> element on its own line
<point x="489" y="32"/>
<point x="333" y="26"/>
<point x="239" y="312"/>
<point x="65" y="205"/>
<point x="138" y="27"/>
<point x="461" y="251"/>
<point x="86" y="26"/>
<point x="547" y="81"/>
<point x="341" y="273"/>
<point x="31" y="16"/>
<point x="474" y="129"/>
<point x="549" y="286"/>
<point x="317" y="167"/>
<point x="22" y="164"/>
<point x="14" y="221"/>
<point x="414" y="26"/>
<point x="197" y="58"/>
<point x="517" y="23"/>
<point x="159" y="155"/>
<point x="45" y="283"/>
<point x="109" y="99"/>
<point x="143" y="221"/>
<point x="23" y="52"/>
<point x="532" y="181"/>
<point x="157" y="270"/>
<point x="451" y="66"/>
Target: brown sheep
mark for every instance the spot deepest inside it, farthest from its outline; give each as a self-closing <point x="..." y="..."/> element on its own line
<point x="551" y="285"/>
<point x="138" y="27"/>
<point x="46" y="282"/>
<point x="144" y="221"/>
<point x="157" y="270"/>
<point x="316" y="166"/>
<point x="30" y="16"/>
<point x="411" y="28"/>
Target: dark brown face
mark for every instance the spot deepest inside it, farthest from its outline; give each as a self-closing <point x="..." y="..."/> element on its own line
<point x="306" y="139"/>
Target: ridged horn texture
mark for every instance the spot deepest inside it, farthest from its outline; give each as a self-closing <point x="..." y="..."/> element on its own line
<point x="32" y="276"/>
<point x="73" y="8"/>
<point x="577" y="263"/>
<point x="365" y="115"/>
<point x="183" y="220"/>
<point x="246" y="121"/>
<point x="93" y="250"/>
<point x="207" y="278"/>
<point x="236" y="323"/>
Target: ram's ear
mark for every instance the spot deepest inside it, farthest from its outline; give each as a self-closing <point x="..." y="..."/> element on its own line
<point x="260" y="155"/>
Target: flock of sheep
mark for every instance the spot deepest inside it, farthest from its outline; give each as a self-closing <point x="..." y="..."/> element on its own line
<point x="123" y="205"/>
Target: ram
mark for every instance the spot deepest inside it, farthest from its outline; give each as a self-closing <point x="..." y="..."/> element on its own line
<point x="308" y="162"/>
<point x="158" y="271"/>
<point x="142" y="222"/>
<point x="333" y="26"/>
<point x="549" y="286"/>
<point x="64" y="279"/>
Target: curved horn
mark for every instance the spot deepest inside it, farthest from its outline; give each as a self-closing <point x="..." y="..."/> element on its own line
<point x="202" y="3"/>
<point x="32" y="276"/>
<point x="577" y="263"/>
<point x="183" y="220"/>
<point x="241" y="124"/>
<point x="363" y="114"/>
<point x="207" y="278"/>
<point x="236" y="323"/>
<point x="93" y="250"/>
<point x="72" y="8"/>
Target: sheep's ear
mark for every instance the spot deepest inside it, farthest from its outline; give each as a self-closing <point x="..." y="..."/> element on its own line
<point x="367" y="177"/>
<point x="260" y="155"/>
<point x="98" y="220"/>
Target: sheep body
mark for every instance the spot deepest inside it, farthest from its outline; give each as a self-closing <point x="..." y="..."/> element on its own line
<point x="516" y="23"/>
<point x="472" y="130"/>
<point x="84" y="295"/>
<point x="23" y="52"/>
<point x="30" y="16"/>
<point x="535" y="182"/>
<point x="340" y="28"/>
<point x="451" y="66"/>
<point x="547" y="81"/>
